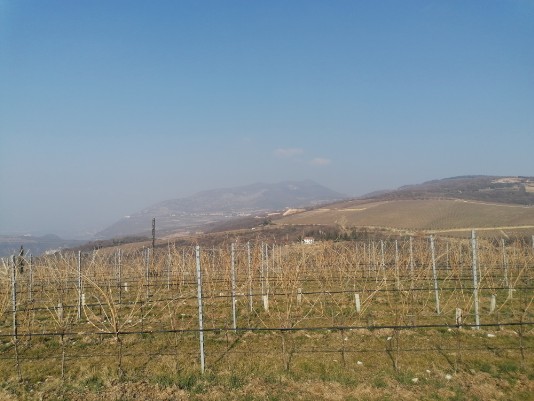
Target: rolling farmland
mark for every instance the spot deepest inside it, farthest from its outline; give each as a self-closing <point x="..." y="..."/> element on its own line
<point x="423" y="215"/>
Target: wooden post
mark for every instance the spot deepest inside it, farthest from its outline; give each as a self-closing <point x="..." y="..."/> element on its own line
<point x="493" y="303"/>
<point x="299" y="296"/>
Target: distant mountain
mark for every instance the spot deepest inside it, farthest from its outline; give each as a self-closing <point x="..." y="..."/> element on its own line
<point x="496" y="189"/>
<point x="36" y="245"/>
<point x="217" y="205"/>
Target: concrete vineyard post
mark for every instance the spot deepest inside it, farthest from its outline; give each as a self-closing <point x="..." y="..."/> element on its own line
<point x="459" y="318"/>
<point x="357" y="303"/>
<point x="493" y="303"/>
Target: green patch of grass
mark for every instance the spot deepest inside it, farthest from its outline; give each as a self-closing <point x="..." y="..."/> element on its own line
<point x="235" y="382"/>
<point x="187" y="382"/>
<point x="94" y="383"/>
<point x="484" y="366"/>
<point x="164" y="380"/>
<point x="379" y="382"/>
<point x="405" y="378"/>
<point x="508" y="367"/>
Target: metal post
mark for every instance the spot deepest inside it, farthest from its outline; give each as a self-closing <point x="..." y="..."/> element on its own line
<point x="397" y="278"/>
<point x="200" y="311"/>
<point x="382" y="257"/>
<point x="249" y="278"/>
<point x="169" y="265"/>
<point x="30" y="280"/>
<point x="411" y="256"/>
<point x="80" y="289"/>
<point x="475" y="278"/>
<point x="266" y="299"/>
<point x="504" y="262"/>
<point x="448" y="263"/>
<point x="147" y="271"/>
<point x="14" y="296"/>
<point x="232" y="272"/>
<point x="119" y="278"/>
<point x="153" y="233"/>
<point x="434" y="274"/>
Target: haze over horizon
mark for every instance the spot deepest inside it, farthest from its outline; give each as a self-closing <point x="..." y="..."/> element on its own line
<point x="109" y="107"/>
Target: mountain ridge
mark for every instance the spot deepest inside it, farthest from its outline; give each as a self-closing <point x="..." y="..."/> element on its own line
<point x="211" y="206"/>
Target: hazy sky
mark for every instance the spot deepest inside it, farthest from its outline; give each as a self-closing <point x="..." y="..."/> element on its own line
<point x="109" y="106"/>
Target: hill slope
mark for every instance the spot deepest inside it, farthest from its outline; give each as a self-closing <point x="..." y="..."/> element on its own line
<point x="208" y="207"/>
<point x="511" y="190"/>
<point x="444" y="205"/>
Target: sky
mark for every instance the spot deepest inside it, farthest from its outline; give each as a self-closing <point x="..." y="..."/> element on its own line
<point x="107" y="107"/>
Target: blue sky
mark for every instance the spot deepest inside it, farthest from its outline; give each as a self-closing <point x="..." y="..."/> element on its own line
<point x="109" y="106"/>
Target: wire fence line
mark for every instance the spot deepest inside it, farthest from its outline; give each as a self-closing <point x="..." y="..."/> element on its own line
<point x="410" y="289"/>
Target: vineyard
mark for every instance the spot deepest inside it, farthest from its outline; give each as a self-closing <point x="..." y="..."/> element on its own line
<point x="425" y="311"/>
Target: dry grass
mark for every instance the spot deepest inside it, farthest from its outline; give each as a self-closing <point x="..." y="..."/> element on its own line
<point x="146" y="346"/>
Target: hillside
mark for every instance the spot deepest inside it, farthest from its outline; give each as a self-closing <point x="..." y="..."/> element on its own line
<point x="495" y="189"/>
<point x="192" y="213"/>
<point x="452" y="205"/>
